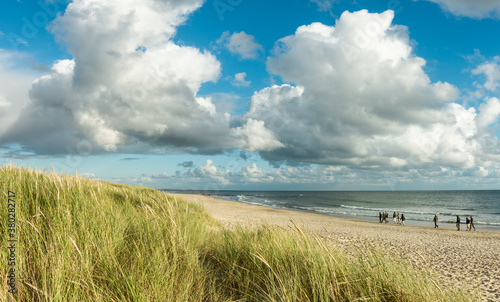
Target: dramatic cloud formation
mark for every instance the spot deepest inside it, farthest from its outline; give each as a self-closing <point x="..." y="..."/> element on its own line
<point x="241" y="44"/>
<point x="129" y="86"/>
<point x="356" y="103"/>
<point x="363" y="100"/>
<point x="474" y="9"/>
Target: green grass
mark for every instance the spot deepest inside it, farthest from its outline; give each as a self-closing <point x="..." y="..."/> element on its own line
<point x="84" y="240"/>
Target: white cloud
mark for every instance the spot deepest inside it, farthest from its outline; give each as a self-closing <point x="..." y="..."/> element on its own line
<point x="488" y="113"/>
<point x="239" y="80"/>
<point x="241" y="44"/>
<point x="128" y="86"/>
<point x="362" y="99"/>
<point x="254" y="136"/>
<point x="161" y="175"/>
<point x="491" y="71"/>
<point x="209" y="171"/>
<point x="475" y="9"/>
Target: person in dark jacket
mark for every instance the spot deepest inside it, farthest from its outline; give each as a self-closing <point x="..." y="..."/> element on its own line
<point x="472" y="224"/>
<point x="458" y="223"/>
<point x="435" y="221"/>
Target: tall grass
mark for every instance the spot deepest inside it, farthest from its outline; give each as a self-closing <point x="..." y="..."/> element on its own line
<point x="84" y="240"/>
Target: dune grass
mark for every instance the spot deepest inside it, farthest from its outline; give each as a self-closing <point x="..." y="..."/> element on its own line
<point x="84" y="240"/>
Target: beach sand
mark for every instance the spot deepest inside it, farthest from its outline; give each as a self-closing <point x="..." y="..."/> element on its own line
<point x="457" y="257"/>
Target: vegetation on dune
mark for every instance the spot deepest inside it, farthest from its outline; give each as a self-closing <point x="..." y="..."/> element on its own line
<point x="84" y="240"/>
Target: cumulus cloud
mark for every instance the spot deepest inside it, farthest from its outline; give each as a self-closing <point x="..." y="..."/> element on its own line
<point x="128" y="86"/>
<point x="475" y="9"/>
<point x="254" y="136"/>
<point x="209" y="171"/>
<point x="361" y="98"/>
<point x="241" y="44"/>
<point x="488" y="113"/>
<point x="355" y="96"/>
<point x="491" y="71"/>
<point x="239" y="80"/>
<point x="248" y="174"/>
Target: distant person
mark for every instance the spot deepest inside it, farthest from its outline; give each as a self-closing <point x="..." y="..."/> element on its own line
<point x="458" y="223"/>
<point x="399" y="218"/>
<point x="472" y="224"/>
<point x="435" y="221"/>
<point x="467" y="222"/>
<point x="386" y="217"/>
<point x="380" y="217"/>
<point x="394" y="217"/>
<point x="403" y="218"/>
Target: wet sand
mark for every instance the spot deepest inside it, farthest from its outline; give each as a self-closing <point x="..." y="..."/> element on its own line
<point x="465" y="257"/>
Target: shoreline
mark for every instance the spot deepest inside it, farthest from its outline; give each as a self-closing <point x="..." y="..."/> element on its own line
<point x="374" y="218"/>
<point x="459" y="258"/>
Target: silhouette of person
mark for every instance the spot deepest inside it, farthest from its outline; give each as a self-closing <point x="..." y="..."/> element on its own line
<point x="458" y="223"/>
<point x="435" y="221"/>
<point x="472" y="224"/>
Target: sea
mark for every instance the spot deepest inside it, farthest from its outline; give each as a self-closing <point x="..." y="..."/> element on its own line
<point x="419" y="207"/>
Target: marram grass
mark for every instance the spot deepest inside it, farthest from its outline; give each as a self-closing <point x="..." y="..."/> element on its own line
<point x="84" y="240"/>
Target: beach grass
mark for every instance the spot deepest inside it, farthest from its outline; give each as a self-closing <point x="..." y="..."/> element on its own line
<point x="85" y="240"/>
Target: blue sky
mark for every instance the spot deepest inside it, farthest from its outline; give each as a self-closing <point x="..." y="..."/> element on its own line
<point x="254" y="95"/>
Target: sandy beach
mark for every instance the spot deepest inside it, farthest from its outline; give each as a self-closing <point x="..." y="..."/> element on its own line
<point x="457" y="257"/>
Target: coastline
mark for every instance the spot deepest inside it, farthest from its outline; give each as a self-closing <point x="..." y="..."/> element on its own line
<point x="365" y="206"/>
<point x="459" y="258"/>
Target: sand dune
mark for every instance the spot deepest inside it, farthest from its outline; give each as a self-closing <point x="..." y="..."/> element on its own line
<point x="458" y="257"/>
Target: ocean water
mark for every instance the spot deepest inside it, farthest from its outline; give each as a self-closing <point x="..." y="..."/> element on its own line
<point x="419" y="207"/>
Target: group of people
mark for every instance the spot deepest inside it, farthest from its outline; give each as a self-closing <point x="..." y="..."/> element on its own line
<point x="469" y="221"/>
<point x="398" y="218"/>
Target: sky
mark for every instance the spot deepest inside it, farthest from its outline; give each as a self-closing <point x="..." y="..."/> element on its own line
<point x="254" y="95"/>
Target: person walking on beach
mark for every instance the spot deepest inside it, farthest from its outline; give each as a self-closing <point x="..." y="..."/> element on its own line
<point x="467" y="222"/>
<point x="399" y="218"/>
<point x="394" y="217"/>
<point x="380" y="217"/>
<point x="435" y="221"/>
<point x="403" y="218"/>
<point x="472" y="224"/>
<point x="458" y="223"/>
